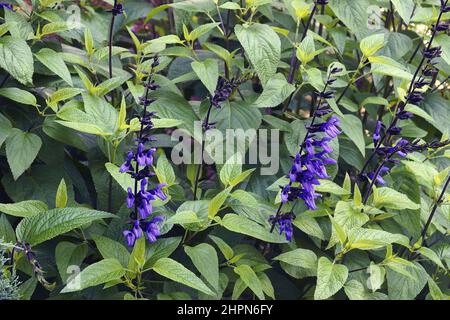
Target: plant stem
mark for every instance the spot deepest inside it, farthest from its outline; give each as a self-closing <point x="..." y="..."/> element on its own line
<point x="199" y="169"/>
<point x="293" y="63"/>
<point x="433" y="211"/>
<point x="386" y="136"/>
<point x="110" y="42"/>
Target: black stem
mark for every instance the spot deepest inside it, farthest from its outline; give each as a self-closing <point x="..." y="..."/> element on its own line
<point x="110" y="42"/>
<point x="293" y="62"/>
<point x="410" y="90"/>
<point x="199" y="169"/>
<point x="433" y="211"/>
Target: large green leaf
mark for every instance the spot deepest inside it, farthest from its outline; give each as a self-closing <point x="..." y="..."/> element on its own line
<point x="208" y="73"/>
<point x="175" y="271"/>
<point x="21" y="150"/>
<point x="352" y="127"/>
<point x="112" y="249"/>
<point x="250" y="278"/>
<point x="276" y="90"/>
<point x="303" y="258"/>
<point x="262" y="46"/>
<point x="390" y="198"/>
<point x="95" y="274"/>
<point x="246" y="226"/>
<point x="25" y="208"/>
<point x="45" y="226"/>
<point x="17" y="59"/>
<point x="55" y="62"/>
<point x="204" y="257"/>
<point x="353" y="14"/>
<point x="331" y="277"/>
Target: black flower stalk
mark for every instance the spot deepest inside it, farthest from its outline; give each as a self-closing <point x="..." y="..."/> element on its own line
<point x="415" y="95"/>
<point x="433" y="210"/>
<point x="32" y="259"/>
<point x="309" y="163"/>
<point x="223" y="91"/>
<point x="115" y="11"/>
<point x="138" y="164"/>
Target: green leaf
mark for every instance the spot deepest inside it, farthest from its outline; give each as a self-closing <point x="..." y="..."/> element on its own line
<point x="166" y="123"/>
<point x="331" y="187"/>
<point x="204" y="257"/>
<point x="19" y="95"/>
<point x="353" y="14"/>
<point x="95" y="274"/>
<point x="226" y="250"/>
<point x="369" y="239"/>
<point x="21" y="150"/>
<point x="420" y="112"/>
<point x="162" y="248"/>
<point x="431" y="255"/>
<point x="231" y="169"/>
<point x="263" y="48"/>
<point x="246" y="226"/>
<point x="306" y="51"/>
<point x="164" y="171"/>
<point x="309" y="225"/>
<point x="371" y="44"/>
<point x="331" y="277"/>
<point x="376" y="277"/>
<point x="352" y="127"/>
<point x="175" y="271"/>
<point x="217" y="202"/>
<point x="405" y="9"/>
<point x="390" y="198"/>
<point x="202" y="30"/>
<point x="7" y="233"/>
<point x="45" y="226"/>
<point x="300" y="258"/>
<point x="26" y="208"/>
<point x="109" y="248"/>
<point x="183" y="217"/>
<point x="137" y="257"/>
<point x="348" y="216"/>
<point x="250" y="278"/>
<point x="55" y="62"/>
<point x="276" y="90"/>
<point x="68" y="254"/>
<point x="403" y="287"/>
<point x="17" y="59"/>
<point x="61" y="195"/>
<point x="124" y="180"/>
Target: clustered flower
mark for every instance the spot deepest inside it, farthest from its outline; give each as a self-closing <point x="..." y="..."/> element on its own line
<point x="138" y="163"/>
<point x="7" y="6"/>
<point x="309" y="163"/>
<point x="223" y="91"/>
<point x="285" y="222"/>
<point x="414" y="96"/>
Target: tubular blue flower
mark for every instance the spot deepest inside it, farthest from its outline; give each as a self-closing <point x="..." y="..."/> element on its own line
<point x="7" y="6"/>
<point x="285" y="222"/>
<point x="377" y="132"/>
<point x="129" y="237"/>
<point x="143" y="155"/>
<point x="151" y="228"/>
<point x="127" y="166"/>
<point x="130" y="198"/>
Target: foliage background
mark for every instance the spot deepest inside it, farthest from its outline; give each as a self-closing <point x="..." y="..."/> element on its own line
<point x="64" y="132"/>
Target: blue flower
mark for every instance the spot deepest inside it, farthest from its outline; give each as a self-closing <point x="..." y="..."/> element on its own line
<point x="377" y="132"/>
<point x="129" y="237"/>
<point x="127" y="166"/>
<point x="151" y="228"/>
<point x="130" y="198"/>
<point x="285" y="223"/>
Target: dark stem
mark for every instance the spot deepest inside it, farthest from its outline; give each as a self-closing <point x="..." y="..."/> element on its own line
<point x="293" y="63"/>
<point x="199" y="169"/>
<point x="410" y="89"/>
<point x="433" y="211"/>
<point x="110" y="43"/>
<point x="140" y="135"/>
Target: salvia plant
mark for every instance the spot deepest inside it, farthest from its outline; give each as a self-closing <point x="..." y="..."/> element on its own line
<point x="214" y="149"/>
